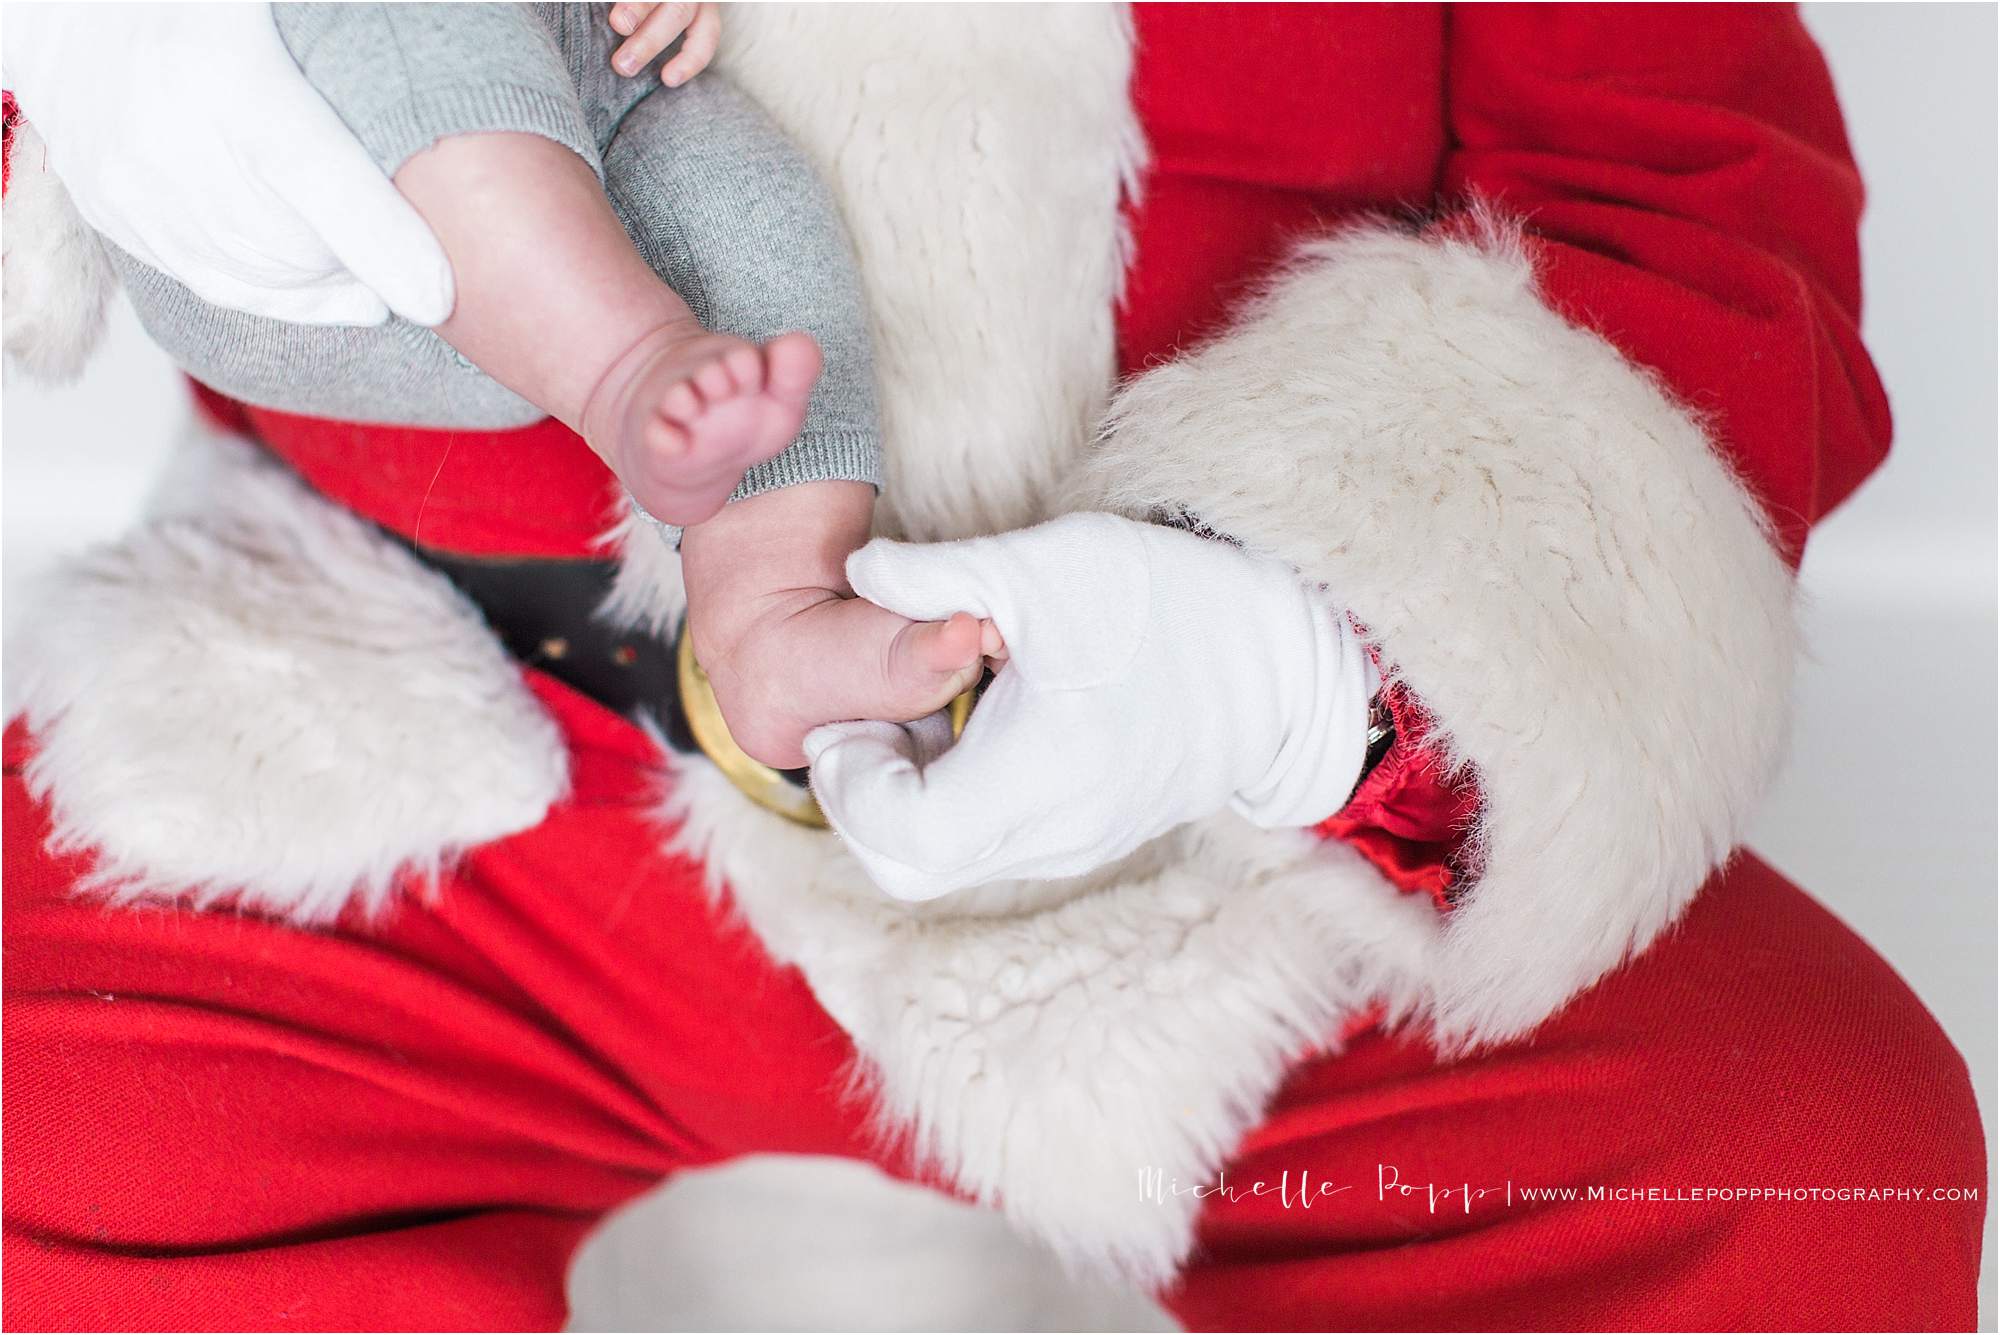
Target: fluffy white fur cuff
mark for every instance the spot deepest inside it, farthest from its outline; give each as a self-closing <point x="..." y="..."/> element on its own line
<point x="1546" y="548"/>
<point x="253" y="698"/>
<point x="54" y="277"/>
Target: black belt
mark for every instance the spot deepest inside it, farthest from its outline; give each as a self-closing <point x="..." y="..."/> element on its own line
<point x="545" y="611"/>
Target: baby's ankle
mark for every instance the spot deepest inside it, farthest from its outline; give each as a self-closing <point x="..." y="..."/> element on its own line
<point x="795" y="537"/>
<point x="598" y="418"/>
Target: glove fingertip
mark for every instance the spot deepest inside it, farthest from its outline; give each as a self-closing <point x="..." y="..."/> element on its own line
<point x="377" y="236"/>
<point x="428" y="298"/>
<point x="923" y="581"/>
<point x="355" y="306"/>
<point x="865" y="567"/>
<point x="346" y="303"/>
<point x="428" y="311"/>
<point x="908" y="887"/>
<point x="821" y="740"/>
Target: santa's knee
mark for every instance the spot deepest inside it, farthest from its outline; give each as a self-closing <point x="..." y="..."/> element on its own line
<point x="1825" y="1123"/>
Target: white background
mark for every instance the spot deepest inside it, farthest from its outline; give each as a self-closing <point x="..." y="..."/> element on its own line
<point x="1887" y="810"/>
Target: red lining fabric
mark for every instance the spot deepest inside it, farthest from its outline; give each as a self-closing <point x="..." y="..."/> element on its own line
<point x="9" y="114"/>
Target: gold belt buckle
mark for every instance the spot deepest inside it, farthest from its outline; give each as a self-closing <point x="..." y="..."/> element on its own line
<point x="767" y="787"/>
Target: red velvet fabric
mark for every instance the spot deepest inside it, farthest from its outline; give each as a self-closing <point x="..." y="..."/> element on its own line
<point x="1408" y="816"/>
<point x="215" y="1122"/>
<point x="1683" y="171"/>
<point x="9" y="115"/>
<point x="1689" y="194"/>
<point x="534" y="491"/>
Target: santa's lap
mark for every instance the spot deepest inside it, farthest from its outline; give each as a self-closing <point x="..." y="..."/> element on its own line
<point x="222" y="1121"/>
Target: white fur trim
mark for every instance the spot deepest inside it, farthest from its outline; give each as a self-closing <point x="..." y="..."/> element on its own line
<point x="54" y="276"/>
<point x="253" y="698"/>
<point x="647" y="593"/>
<point x="1547" y="549"/>
<point x="1044" y="1061"/>
<point x="979" y="154"/>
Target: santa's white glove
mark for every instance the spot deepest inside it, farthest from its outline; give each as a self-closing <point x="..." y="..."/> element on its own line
<point x="1153" y="678"/>
<point x="187" y="136"/>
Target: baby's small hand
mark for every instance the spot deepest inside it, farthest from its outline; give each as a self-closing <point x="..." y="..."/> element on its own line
<point x="651" y="29"/>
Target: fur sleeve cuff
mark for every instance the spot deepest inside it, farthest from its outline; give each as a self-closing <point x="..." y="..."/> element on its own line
<point x="55" y="279"/>
<point x="1548" y="551"/>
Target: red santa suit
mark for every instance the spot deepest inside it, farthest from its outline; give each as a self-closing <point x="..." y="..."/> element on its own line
<point x="1530" y="333"/>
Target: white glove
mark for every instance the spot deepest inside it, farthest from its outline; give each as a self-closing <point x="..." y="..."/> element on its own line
<point x="187" y="136"/>
<point x="1153" y="678"/>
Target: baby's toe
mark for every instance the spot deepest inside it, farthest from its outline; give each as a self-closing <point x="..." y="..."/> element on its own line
<point x="715" y="380"/>
<point x="746" y="367"/>
<point x="681" y="403"/>
<point x="931" y="661"/>
<point x="950" y="645"/>
<point x="665" y="439"/>
<point x="791" y="365"/>
<point x="991" y="643"/>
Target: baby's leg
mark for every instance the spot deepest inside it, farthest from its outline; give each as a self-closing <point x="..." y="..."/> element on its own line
<point x="554" y="303"/>
<point x="552" y="299"/>
<point x="720" y="202"/>
<point x="727" y="210"/>
<point x="402" y="77"/>
<point x="477" y="113"/>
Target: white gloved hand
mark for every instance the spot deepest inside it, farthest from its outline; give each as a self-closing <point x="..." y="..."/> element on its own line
<point x="187" y="136"/>
<point x="1153" y="678"/>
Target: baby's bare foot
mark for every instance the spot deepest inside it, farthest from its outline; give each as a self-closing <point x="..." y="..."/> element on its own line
<point x="685" y="412"/>
<point x="836" y="660"/>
